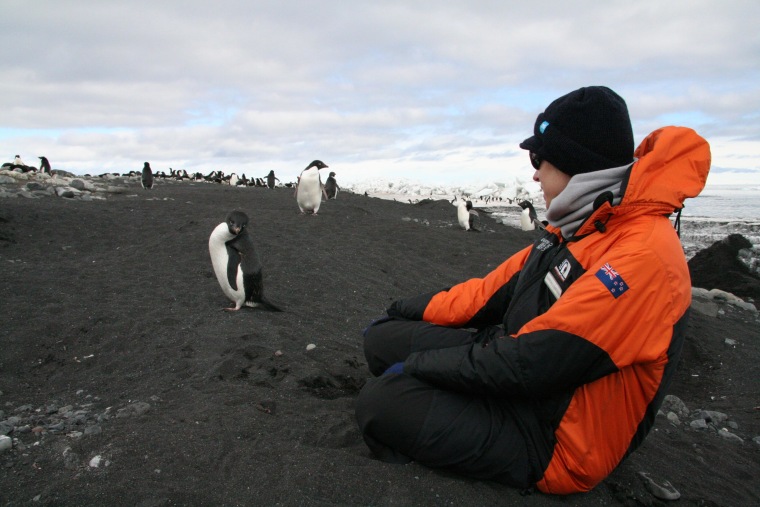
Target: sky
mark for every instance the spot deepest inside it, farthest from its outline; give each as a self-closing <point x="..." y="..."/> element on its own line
<point x="440" y="92"/>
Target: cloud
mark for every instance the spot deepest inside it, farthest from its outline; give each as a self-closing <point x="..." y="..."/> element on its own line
<point x="406" y="86"/>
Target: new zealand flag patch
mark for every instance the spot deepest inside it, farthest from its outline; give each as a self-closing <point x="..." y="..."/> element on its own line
<point x="612" y="280"/>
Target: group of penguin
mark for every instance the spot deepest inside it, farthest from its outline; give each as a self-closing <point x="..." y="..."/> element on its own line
<point x="233" y="254"/>
<point x="19" y="165"/>
<point x="309" y="187"/>
<point x="148" y="177"/>
<point x="468" y="217"/>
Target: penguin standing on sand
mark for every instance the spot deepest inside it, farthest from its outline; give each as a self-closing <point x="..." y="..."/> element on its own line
<point x="147" y="177"/>
<point x="45" y="165"/>
<point x="529" y="218"/>
<point x="468" y="218"/>
<point x="236" y="264"/>
<point x="463" y="215"/>
<point x="271" y="178"/>
<point x="309" y="190"/>
<point x="331" y="187"/>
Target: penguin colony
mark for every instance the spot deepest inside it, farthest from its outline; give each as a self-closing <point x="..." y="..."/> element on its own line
<point x="233" y="254"/>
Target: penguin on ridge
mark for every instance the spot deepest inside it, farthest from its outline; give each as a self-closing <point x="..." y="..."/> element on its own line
<point x="271" y="178"/>
<point x="309" y="189"/>
<point x="147" y="177"/>
<point x="44" y="165"/>
<point x="237" y="265"/>
<point x="463" y="215"/>
<point x="331" y="186"/>
<point x="20" y="165"/>
<point x="468" y="218"/>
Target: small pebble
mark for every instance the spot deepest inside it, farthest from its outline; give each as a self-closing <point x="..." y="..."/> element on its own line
<point x="5" y="443"/>
<point x="311" y="346"/>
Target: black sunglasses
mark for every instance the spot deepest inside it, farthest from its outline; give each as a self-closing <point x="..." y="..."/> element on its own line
<point x="535" y="160"/>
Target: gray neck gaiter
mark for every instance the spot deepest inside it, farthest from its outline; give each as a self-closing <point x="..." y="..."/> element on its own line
<point x="576" y="202"/>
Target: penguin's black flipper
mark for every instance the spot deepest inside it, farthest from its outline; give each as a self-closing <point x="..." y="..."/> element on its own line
<point x="531" y="210"/>
<point x="254" y="291"/>
<point x="233" y="261"/>
<point x="474" y="221"/>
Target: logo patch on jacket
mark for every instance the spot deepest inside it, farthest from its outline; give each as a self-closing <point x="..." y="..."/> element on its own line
<point x="612" y="280"/>
<point x="563" y="270"/>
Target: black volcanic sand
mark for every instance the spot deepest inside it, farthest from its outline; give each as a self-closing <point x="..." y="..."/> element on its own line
<point x="109" y="303"/>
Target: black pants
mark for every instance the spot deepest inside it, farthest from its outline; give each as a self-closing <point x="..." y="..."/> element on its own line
<point x="403" y="418"/>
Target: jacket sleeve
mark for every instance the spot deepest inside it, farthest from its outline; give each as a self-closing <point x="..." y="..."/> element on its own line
<point x="588" y="333"/>
<point x="478" y="302"/>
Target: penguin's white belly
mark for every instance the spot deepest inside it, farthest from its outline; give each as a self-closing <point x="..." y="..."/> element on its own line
<point x="219" y="258"/>
<point x="463" y="216"/>
<point x="525" y="221"/>
<point x="309" y="195"/>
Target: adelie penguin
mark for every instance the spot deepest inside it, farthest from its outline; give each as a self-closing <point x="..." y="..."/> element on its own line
<point x="271" y="178"/>
<point x="468" y="218"/>
<point x="44" y="165"/>
<point x="237" y="265"/>
<point x="529" y="218"/>
<point x="309" y="191"/>
<point x="331" y="186"/>
<point x="147" y="176"/>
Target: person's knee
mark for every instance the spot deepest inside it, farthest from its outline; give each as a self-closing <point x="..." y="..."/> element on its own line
<point x="377" y="348"/>
<point x="363" y="405"/>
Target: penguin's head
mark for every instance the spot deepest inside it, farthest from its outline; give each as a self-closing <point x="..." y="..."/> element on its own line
<point x="237" y="221"/>
<point x="318" y="164"/>
<point x="528" y="208"/>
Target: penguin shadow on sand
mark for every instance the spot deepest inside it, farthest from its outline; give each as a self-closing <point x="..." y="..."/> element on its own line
<point x="236" y="264"/>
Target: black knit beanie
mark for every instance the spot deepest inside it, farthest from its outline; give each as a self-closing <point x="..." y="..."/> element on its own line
<point x="586" y="130"/>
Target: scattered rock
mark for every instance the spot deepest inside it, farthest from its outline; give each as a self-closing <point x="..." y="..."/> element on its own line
<point x="723" y="432"/>
<point x="698" y="424"/>
<point x="34" y="185"/>
<point x="719" y="267"/>
<point x="135" y="409"/>
<point x="6" y="443"/>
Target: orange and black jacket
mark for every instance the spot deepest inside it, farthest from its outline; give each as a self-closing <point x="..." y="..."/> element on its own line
<point x="585" y="332"/>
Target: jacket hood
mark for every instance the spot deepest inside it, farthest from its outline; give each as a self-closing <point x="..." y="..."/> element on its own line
<point x="672" y="165"/>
